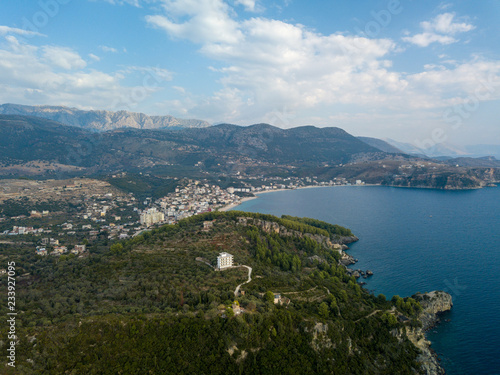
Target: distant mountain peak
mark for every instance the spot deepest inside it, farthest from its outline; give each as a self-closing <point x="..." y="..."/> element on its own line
<point x="100" y="120"/>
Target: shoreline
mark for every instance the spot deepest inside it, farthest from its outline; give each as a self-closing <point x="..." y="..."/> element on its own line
<point x="428" y="358"/>
<point x="256" y="195"/>
<point x="313" y="187"/>
<point x="233" y="205"/>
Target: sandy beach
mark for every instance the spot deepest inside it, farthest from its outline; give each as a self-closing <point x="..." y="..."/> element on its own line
<point x="233" y="205"/>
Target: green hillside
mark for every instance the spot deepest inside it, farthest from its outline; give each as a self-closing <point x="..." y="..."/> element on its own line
<point x="152" y="305"/>
<point x="217" y="148"/>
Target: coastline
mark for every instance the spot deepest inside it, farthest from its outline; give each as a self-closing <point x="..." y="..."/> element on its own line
<point x="256" y="195"/>
<point x="233" y="205"/>
<point x="439" y="302"/>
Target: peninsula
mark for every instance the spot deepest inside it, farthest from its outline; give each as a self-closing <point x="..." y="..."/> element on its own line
<point x="149" y="304"/>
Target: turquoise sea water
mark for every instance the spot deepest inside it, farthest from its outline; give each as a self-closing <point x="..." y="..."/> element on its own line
<point x="421" y="240"/>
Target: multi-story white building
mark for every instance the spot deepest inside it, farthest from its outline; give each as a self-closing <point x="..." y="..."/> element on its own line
<point x="152" y="216"/>
<point x="224" y="260"/>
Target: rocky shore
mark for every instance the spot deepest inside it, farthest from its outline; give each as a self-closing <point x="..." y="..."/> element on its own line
<point x="433" y="304"/>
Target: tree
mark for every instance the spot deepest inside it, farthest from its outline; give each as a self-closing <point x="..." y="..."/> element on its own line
<point x="269" y="296"/>
<point x="323" y="310"/>
<point x="381" y="298"/>
<point x="116" y="248"/>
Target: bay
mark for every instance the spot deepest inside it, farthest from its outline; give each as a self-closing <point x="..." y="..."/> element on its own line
<point x="420" y="240"/>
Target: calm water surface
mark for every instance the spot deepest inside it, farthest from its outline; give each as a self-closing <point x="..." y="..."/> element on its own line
<point x="417" y="240"/>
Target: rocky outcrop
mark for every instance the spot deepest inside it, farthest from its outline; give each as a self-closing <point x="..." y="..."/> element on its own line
<point x="439" y="180"/>
<point x="433" y="304"/>
<point x="344" y="240"/>
<point x="320" y="338"/>
<point x="337" y="243"/>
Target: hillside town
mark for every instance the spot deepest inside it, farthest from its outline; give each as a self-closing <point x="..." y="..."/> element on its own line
<point x="97" y="210"/>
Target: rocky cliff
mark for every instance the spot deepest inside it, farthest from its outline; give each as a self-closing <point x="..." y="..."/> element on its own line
<point x="433" y="304"/>
<point x="100" y="120"/>
<point x="443" y="180"/>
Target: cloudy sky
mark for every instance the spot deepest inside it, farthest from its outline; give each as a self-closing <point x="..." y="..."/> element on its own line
<point x="416" y="71"/>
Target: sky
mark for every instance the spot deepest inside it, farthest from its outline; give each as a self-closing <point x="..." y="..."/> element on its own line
<point x="417" y="71"/>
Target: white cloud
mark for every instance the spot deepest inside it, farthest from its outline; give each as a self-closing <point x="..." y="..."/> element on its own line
<point x="441" y="30"/>
<point x="108" y="49"/>
<point x="94" y="57"/>
<point x="62" y="57"/>
<point x="5" y="30"/>
<point x="156" y="73"/>
<point x="179" y="89"/>
<point x="208" y="21"/>
<point x="444" y="24"/>
<point x="270" y="62"/>
<point x="32" y="75"/>
<point x="425" y="39"/>
<point x="250" y="5"/>
<point x="444" y="6"/>
<point x="267" y="65"/>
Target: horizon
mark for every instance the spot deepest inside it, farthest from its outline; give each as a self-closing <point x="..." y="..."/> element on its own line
<point x="425" y="74"/>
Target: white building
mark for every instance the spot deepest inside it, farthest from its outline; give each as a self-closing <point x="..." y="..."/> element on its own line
<point x="151" y="216"/>
<point x="224" y="260"/>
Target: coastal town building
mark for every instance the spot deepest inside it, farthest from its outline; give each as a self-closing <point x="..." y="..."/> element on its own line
<point x="151" y="216"/>
<point x="224" y="260"/>
<point x="78" y="249"/>
<point x="41" y="250"/>
<point x="59" y="250"/>
<point x="207" y="225"/>
<point x="277" y="298"/>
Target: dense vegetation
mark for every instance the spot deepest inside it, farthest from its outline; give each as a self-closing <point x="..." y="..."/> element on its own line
<point x="332" y="229"/>
<point x="22" y="206"/>
<point x="151" y="304"/>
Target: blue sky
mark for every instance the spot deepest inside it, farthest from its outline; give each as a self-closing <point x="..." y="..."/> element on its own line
<point x="422" y="71"/>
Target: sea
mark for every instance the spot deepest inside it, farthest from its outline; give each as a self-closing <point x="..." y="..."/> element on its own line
<point x="419" y="240"/>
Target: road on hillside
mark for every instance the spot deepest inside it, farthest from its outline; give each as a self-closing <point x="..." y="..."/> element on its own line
<point x="237" y="290"/>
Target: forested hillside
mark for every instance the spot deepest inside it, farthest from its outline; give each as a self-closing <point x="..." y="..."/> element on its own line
<point x="155" y="305"/>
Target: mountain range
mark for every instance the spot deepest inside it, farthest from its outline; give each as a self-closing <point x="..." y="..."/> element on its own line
<point x="100" y="120"/>
<point x="215" y="148"/>
<point x="33" y="146"/>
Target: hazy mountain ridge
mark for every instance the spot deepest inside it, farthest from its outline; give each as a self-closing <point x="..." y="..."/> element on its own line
<point x="227" y="150"/>
<point x="447" y="150"/>
<point x="100" y="120"/>
<point x="381" y="145"/>
<point x="30" y="138"/>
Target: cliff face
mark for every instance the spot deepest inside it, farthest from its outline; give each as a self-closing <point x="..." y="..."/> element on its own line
<point x="445" y="181"/>
<point x="433" y="304"/>
<point x="99" y="120"/>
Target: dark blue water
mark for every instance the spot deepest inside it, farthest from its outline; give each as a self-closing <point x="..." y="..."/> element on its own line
<point x="418" y="240"/>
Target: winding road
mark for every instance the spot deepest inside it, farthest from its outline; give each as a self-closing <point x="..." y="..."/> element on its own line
<point x="237" y="290"/>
